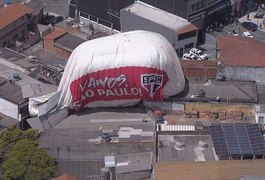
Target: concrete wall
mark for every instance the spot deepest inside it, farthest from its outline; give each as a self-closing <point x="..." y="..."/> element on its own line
<point x="244" y="73"/>
<point x="9" y="109"/>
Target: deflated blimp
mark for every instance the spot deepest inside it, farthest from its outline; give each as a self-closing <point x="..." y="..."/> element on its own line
<point x="121" y="70"/>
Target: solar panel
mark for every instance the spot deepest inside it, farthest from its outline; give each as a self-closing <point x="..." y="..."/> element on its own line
<point x="243" y="139"/>
<point x="237" y="139"/>
<point x="256" y="139"/>
<point x="231" y="140"/>
<point x="218" y="140"/>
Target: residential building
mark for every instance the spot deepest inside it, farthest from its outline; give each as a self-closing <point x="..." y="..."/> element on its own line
<point x="241" y="59"/>
<point x="12" y="59"/>
<point x="12" y="102"/>
<point x="7" y="122"/>
<point x="15" y="89"/>
<point x="179" y="32"/>
<point x="61" y="43"/>
<point x="18" y="27"/>
<point x="51" y="68"/>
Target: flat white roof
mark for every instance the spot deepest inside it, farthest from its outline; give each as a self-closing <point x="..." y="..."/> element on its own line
<point x="157" y="15"/>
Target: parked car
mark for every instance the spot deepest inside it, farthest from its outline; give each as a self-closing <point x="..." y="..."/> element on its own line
<point x="56" y="19"/>
<point x="259" y="15"/>
<point x="247" y="34"/>
<point x="249" y="26"/>
<point x="201" y="55"/>
<point x="188" y="56"/>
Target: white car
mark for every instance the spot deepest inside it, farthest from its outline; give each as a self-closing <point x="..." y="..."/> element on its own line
<point x="201" y="55"/>
<point x="247" y="34"/>
<point x="188" y="56"/>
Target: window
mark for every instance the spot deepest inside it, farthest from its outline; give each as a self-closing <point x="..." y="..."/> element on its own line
<point x="188" y="46"/>
<point x="187" y="35"/>
<point x="261" y="120"/>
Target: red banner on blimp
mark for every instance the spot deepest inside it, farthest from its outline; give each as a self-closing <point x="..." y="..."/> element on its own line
<point x="119" y="84"/>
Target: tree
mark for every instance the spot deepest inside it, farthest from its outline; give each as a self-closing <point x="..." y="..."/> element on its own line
<point x="23" y="159"/>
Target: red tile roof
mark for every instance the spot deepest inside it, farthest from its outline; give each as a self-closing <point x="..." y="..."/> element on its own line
<point x="65" y="177"/>
<point x="12" y="12"/>
<point x="239" y="51"/>
<point x="187" y="28"/>
<point x="58" y="32"/>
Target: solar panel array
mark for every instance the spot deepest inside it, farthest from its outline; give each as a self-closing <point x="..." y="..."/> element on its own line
<point x="237" y="139"/>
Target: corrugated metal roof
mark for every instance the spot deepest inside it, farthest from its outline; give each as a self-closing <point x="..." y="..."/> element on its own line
<point x="10" y="91"/>
<point x="69" y="42"/>
<point x="12" y="12"/>
<point x="156" y="15"/>
<point x="133" y="162"/>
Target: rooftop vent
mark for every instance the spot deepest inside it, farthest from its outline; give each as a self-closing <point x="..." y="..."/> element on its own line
<point x="220" y="78"/>
<point x="15" y="77"/>
<point x="179" y="145"/>
<point x="202" y="145"/>
<point x="201" y="93"/>
<point x="105" y="137"/>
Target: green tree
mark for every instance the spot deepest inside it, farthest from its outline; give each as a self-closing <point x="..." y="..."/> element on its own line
<point x="23" y="160"/>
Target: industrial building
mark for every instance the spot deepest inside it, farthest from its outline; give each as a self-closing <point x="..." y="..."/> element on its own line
<point x="81" y="142"/>
<point x="179" y="32"/>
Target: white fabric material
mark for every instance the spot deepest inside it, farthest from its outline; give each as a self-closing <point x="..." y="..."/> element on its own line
<point x="136" y="48"/>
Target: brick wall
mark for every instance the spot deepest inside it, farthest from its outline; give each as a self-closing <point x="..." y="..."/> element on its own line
<point x="199" y="69"/>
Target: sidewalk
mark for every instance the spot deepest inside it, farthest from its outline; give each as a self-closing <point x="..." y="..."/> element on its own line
<point x="254" y="20"/>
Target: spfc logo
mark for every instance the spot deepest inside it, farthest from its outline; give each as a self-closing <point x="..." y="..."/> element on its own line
<point x="151" y="82"/>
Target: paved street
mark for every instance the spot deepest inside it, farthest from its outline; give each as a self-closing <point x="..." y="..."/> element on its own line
<point x="259" y="34"/>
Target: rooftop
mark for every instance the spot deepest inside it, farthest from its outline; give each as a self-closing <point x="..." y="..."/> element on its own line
<point x="10" y="91"/>
<point x="12" y="12"/>
<point x="228" y="170"/>
<point x="69" y="42"/>
<point x="239" y="51"/>
<point x="185" y="148"/>
<point x="123" y="126"/>
<point x="7" y="73"/>
<point x="24" y="63"/>
<point x="133" y="162"/>
<point x="235" y="91"/>
<point x="44" y="57"/>
<point x="77" y="144"/>
<point x="65" y="177"/>
<point x="157" y="15"/>
<point x="7" y="121"/>
<point x="36" y="5"/>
